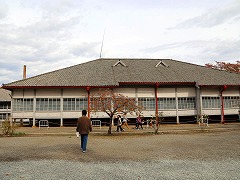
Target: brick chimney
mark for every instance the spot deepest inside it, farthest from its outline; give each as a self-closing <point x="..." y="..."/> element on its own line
<point x="24" y="72"/>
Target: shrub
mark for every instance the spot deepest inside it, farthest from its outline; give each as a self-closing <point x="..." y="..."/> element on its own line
<point x="8" y="127"/>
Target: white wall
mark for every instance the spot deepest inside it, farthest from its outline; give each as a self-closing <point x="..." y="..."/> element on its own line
<point x="212" y="91"/>
<point x="18" y="93"/>
<point x="166" y="92"/>
<point x="231" y="91"/>
<point x="145" y="92"/>
<point x="186" y="92"/>
<point x="23" y="114"/>
<point x="48" y="93"/>
<point x="71" y="93"/>
<point x="130" y="92"/>
<point x="28" y="93"/>
<point x="48" y="115"/>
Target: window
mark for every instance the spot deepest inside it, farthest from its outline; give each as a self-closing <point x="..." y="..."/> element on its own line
<point x="69" y="104"/>
<point x="4" y="116"/>
<point x="54" y="104"/>
<point x="75" y="104"/>
<point x="147" y="103"/>
<point x="186" y="103"/>
<point x="166" y="103"/>
<point x="5" y="105"/>
<point x="231" y="101"/>
<point x="47" y="104"/>
<point x="210" y="102"/>
<point x="22" y="104"/>
<point x="28" y="104"/>
<point x="81" y="103"/>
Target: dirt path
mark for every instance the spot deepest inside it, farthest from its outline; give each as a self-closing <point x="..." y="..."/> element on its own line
<point x="203" y="146"/>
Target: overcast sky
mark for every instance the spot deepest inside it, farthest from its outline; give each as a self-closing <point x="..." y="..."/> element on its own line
<point x="47" y="35"/>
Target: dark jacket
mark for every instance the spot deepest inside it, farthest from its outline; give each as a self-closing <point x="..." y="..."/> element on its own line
<point x="84" y="125"/>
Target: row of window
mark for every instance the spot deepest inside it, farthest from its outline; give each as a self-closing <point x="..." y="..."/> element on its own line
<point x="189" y="102"/>
<point x="77" y="104"/>
<point x="50" y="104"/>
<point x="5" y="105"/>
<point x="4" y="116"/>
<point x="168" y="103"/>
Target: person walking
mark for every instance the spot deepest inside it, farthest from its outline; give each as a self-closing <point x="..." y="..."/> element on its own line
<point x="139" y="122"/>
<point x="125" y="121"/>
<point x="84" y="126"/>
<point x="119" y="124"/>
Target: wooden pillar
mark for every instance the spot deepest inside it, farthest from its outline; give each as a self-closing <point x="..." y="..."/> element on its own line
<point x="88" y="91"/>
<point x="61" y="109"/>
<point x="198" y="101"/>
<point x="156" y="103"/>
<point x="176" y="97"/>
<point x="34" y="107"/>
<point x="222" y="103"/>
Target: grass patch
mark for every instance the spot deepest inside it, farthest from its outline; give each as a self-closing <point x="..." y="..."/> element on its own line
<point x="19" y="134"/>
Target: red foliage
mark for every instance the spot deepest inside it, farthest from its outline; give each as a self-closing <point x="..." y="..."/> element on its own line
<point x="231" y="67"/>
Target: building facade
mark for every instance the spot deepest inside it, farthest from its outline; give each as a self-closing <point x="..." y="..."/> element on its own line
<point x="5" y="104"/>
<point x="180" y="90"/>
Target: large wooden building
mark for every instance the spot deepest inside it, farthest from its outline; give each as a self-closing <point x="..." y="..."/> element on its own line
<point x="180" y="90"/>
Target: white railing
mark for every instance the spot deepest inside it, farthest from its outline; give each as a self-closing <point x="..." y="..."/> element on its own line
<point x="43" y="123"/>
<point x="96" y="123"/>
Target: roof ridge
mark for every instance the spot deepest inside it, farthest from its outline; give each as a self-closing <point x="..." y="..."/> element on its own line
<point x="86" y="73"/>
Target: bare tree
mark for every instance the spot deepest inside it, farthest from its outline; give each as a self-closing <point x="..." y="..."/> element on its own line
<point x="111" y="103"/>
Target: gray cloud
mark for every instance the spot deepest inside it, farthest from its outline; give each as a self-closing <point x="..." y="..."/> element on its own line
<point x="52" y="25"/>
<point x="86" y="49"/>
<point x="3" y="10"/>
<point x="61" y="33"/>
<point x="213" y="17"/>
<point x="199" y="52"/>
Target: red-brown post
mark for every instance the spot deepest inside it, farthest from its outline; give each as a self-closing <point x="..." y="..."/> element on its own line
<point x="222" y="103"/>
<point x="156" y="102"/>
<point x="88" y="91"/>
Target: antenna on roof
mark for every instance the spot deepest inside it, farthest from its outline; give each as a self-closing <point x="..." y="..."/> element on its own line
<point x="102" y="43"/>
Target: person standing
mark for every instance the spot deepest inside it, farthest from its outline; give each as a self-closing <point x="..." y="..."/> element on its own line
<point x="84" y="126"/>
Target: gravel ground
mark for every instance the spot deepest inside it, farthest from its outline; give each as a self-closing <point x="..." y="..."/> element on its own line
<point x="168" y="156"/>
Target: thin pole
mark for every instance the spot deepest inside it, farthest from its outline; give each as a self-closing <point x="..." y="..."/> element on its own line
<point x="102" y="43"/>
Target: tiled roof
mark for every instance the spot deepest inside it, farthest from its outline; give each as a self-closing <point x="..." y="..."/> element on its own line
<point x="4" y="95"/>
<point x="111" y="72"/>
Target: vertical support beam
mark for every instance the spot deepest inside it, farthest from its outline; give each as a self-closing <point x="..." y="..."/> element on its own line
<point x="61" y="109"/>
<point x="88" y="91"/>
<point x="34" y="107"/>
<point x="198" y="100"/>
<point x="176" y="96"/>
<point x="238" y="103"/>
<point x="156" y="103"/>
<point x="222" y="103"/>
<point x="136" y="95"/>
<point x="11" y="112"/>
<point x="113" y="116"/>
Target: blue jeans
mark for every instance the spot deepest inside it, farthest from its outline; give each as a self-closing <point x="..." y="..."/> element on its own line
<point x="84" y="139"/>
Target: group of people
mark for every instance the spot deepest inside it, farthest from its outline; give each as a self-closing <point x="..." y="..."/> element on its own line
<point x="123" y="122"/>
<point x="84" y="126"/>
